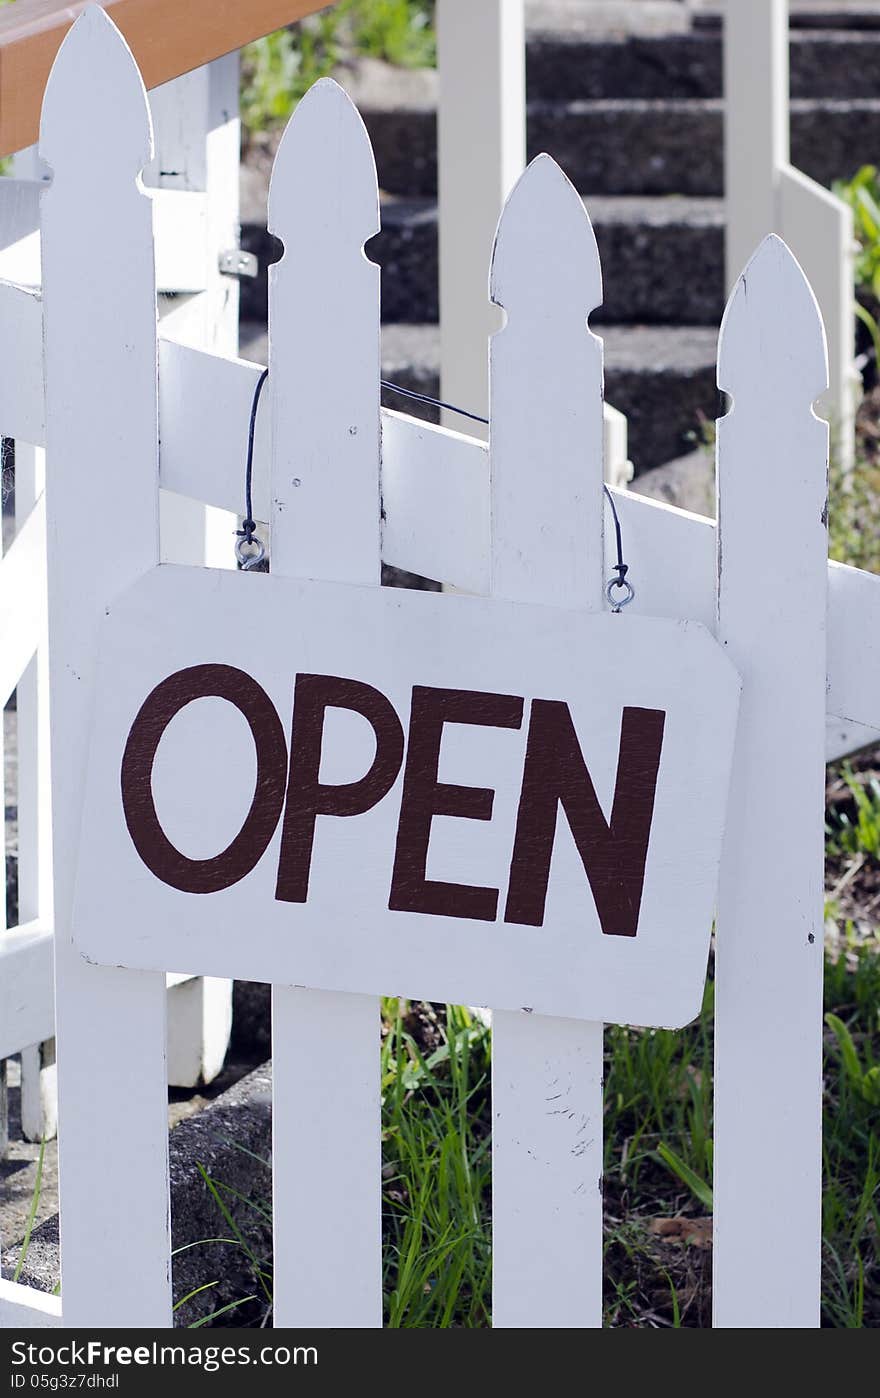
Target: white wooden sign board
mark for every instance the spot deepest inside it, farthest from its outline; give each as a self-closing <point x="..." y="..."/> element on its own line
<point x="292" y="781"/>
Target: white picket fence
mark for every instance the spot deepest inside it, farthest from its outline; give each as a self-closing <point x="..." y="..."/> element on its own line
<point x="481" y="61"/>
<point x="481" y="53"/>
<point x="766" y="193"/>
<point x="123" y="413"/>
<point x="193" y="180"/>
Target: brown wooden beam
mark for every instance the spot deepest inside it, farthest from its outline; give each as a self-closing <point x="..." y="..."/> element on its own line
<point x="167" y="37"/>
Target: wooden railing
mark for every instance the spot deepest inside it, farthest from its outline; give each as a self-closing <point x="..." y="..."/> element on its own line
<point x="167" y="37"/>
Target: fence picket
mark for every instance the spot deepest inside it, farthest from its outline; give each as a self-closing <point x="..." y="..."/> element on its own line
<point x="545" y="449"/>
<point x="324" y="401"/>
<point x="39" y="1094"/>
<point x="772" y="578"/>
<point x="537" y="491"/>
<point x="102" y="532"/>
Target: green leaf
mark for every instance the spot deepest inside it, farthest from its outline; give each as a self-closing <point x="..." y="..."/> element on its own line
<point x="699" y="1188"/>
<point x="848" y="1051"/>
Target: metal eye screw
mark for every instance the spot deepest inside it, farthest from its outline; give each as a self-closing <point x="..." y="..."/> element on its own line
<point x="247" y="558"/>
<point x="617" y="585"/>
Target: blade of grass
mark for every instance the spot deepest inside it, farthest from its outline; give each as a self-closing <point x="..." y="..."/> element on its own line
<point x="699" y="1188"/>
<point x="215" y="1315"/>
<point x="32" y="1213"/>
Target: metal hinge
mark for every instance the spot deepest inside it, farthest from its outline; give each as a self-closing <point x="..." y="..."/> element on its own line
<point x="236" y="263"/>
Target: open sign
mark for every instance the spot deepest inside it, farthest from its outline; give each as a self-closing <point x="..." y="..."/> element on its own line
<point x="444" y="797"/>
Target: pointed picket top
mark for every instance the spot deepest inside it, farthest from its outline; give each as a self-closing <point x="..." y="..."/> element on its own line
<point x="95" y="121"/>
<point x="545" y="436"/>
<point x="324" y="183"/>
<point x="545" y="254"/>
<point x="324" y="344"/>
<point x="772" y="334"/>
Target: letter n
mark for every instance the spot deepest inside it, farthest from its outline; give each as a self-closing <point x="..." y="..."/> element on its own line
<point x="613" y="854"/>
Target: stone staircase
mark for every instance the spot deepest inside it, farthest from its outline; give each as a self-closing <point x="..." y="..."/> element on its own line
<point x="636" y="120"/>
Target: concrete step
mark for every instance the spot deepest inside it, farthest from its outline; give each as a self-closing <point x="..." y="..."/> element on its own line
<point x="609" y="17"/>
<point x="662" y="377"/>
<point x="803" y="14"/>
<point x="663" y="259"/>
<point x="633" y="147"/>
<point x="570" y="64"/>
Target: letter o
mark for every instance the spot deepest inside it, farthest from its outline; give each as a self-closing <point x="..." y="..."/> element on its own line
<point x="156" y="712"/>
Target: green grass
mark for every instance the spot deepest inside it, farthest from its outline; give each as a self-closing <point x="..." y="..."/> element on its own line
<point x="436" y="1142"/>
<point x="859" y="832"/>
<point x="436" y="1167"/>
<point x="279" y="69"/>
<point x="854" y="512"/>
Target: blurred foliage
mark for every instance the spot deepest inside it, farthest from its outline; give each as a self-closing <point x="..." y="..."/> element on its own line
<point x="862" y="194"/>
<point x="854" y="509"/>
<point x="279" y="69"/>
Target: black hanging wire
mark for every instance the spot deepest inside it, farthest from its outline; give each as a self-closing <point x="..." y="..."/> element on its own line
<point x="432" y="402"/>
<point x="619" y="591"/>
<point x="249" y="550"/>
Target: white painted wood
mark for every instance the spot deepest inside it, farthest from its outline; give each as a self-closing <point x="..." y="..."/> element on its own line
<point x="21" y="383"/>
<point x="32" y="699"/>
<point x="772" y="550"/>
<point x="347" y="938"/>
<point x="204" y="409"/>
<point x="766" y="195"/>
<point x="198" y="140"/>
<point x="181" y="236"/>
<point x="546" y="454"/>
<point x="23" y="1306"/>
<point x="22" y="599"/>
<point x="435" y="516"/>
<point x="324" y="401"/>
<point x="181" y="240"/>
<point x="482" y="94"/>
<point x="20" y="259"/>
<point x="618" y="467"/>
<point x="102" y="530"/>
<point x="19" y="227"/>
<point x="842" y="739"/>
<point x="818" y="227"/>
<point x="26" y="960"/>
<point x="197" y="162"/>
<point x="435" y="506"/>
<point x="199" y="1025"/>
<point x="435" y="471"/>
<point x="481" y="151"/>
<point x="39" y="1092"/>
<point x="222" y="157"/>
<point x="756" y="122"/>
<point x="39" y="1080"/>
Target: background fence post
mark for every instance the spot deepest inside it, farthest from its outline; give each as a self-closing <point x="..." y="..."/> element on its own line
<point x="325" y="523"/>
<point x="545" y="449"/>
<point x="772" y="597"/>
<point x="765" y="194"/>
<point x="102" y="533"/>
<point x="481" y="151"/>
